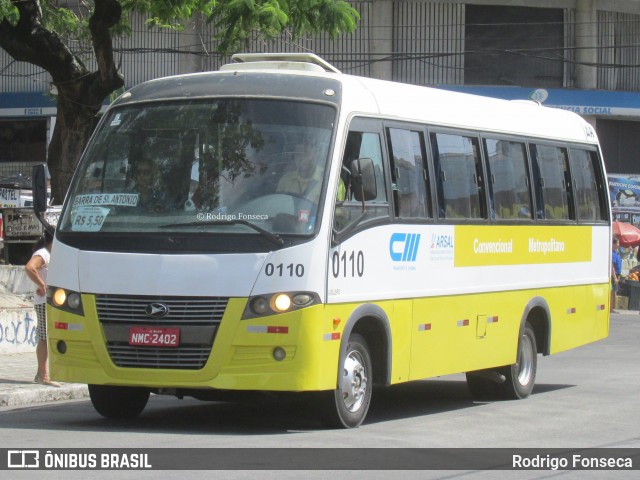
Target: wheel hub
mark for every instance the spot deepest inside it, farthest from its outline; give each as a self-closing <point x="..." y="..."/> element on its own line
<point x="525" y="361"/>
<point x="354" y="382"/>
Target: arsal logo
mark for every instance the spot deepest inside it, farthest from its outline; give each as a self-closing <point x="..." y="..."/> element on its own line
<point x="403" y="247"/>
<point x="441" y="241"/>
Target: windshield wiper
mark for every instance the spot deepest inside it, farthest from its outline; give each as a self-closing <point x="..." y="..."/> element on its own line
<point x="274" y="238"/>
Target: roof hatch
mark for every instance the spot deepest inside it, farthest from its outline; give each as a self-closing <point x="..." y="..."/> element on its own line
<point x="279" y="61"/>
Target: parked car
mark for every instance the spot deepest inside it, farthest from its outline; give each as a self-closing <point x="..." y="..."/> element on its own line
<point x="15" y="191"/>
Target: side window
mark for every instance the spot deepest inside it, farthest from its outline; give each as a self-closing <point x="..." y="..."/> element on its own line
<point x="370" y="147"/>
<point x="348" y="209"/>
<point x="553" y="194"/>
<point x="585" y="174"/>
<point x="408" y="173"/>
<point x="508" y="179"/>
<point x="459" y="178"/>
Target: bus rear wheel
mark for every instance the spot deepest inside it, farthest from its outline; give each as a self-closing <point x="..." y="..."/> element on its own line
<point x="521" y="376"/>
<point x="347" y="406"/>
<point x="118" y="403"/>
<point x="511" y="382"/>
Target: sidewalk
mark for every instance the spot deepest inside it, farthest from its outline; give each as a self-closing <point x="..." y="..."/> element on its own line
<point x="17" y="371"/>
<point x="18" y="363"/>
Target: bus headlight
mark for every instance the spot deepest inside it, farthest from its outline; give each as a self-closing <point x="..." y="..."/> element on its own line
<point x="260" y="306"/>
<point x="280" y="302"/>
<point x="59" y="297"/>
<point x="67" y="300"/>
<point x="73" y="300"/>
<point x="271" y="304"/>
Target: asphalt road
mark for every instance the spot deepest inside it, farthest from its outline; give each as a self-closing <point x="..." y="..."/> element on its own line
<point x="584" y="398"/>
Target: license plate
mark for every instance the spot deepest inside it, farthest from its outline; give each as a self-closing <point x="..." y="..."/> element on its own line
<point x="154" y="336"/>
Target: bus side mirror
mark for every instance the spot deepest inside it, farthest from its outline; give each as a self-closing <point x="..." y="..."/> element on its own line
<point x="39" y="177"/>
<point x="363" y="179"/>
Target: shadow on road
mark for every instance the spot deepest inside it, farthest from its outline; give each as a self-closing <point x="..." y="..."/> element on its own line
<point x="263" y="415"/>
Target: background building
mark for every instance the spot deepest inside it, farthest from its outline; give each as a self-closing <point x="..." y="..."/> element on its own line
<point x="582" y="55"/>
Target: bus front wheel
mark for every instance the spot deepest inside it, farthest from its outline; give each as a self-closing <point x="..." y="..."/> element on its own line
<point x="347" y="406"/>
<point x="118" y="403"/>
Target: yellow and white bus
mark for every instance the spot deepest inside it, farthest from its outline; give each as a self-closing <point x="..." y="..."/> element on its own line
<point x="280" y="226"/>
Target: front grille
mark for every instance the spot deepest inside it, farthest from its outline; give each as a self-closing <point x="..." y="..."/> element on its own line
<point x="182" y="310"/>
<point x="197" y="318"/>
<point x="151" y="357"/>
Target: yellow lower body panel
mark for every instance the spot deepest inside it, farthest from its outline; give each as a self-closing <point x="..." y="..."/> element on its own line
<point x="241" y="358"/>
<point x="299" y="351"/>
<point x="474" y="332"/>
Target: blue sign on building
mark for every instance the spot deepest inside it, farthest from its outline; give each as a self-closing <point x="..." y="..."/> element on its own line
<point x="582" y="102"/>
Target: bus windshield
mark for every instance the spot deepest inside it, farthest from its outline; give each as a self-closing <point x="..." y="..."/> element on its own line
<point x="242" y="166"/>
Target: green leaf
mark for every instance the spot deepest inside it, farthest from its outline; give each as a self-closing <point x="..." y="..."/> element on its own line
<point x="9" y="12"/>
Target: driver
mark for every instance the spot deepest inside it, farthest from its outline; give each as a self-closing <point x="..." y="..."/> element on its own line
<point x="306" y="179"/>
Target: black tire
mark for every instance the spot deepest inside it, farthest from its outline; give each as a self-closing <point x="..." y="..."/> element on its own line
<point x="482" y="388"/>
<point x="118" y="403"/>
<point x="521" y="376"/>
<point x="347" y="406"/>
<point x="511" y="382"/>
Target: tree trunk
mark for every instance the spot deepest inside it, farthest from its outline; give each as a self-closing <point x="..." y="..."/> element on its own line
<point x="80" y="92"/>
<point x="74" y="125"/>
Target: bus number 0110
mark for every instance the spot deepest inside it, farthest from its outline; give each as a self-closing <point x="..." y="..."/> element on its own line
<point x="281" y="269"/>
<point x="347" y="264"/>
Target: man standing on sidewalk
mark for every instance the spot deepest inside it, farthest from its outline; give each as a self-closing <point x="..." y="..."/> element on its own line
<point x="616" y="271"/>
<point x="37" y="269"/>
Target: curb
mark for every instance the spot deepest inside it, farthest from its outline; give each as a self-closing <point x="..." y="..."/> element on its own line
<point x="41" y="394"/>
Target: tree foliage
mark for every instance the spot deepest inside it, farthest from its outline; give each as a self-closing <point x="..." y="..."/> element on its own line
<point x="41" y="32"/>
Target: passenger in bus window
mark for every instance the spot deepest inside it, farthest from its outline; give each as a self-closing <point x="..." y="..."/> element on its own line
<point x="351" y="153"/>
<point x="146" y="183"/>
<point x="306" y="179"/>
<point x="344" y="193"/>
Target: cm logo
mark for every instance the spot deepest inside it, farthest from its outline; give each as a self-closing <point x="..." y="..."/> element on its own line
<point x="403" y="247"/>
